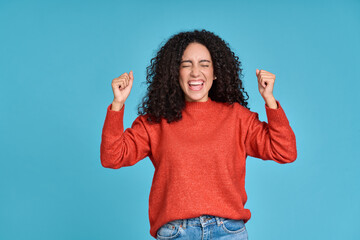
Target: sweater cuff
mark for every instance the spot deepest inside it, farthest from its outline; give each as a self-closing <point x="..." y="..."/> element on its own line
<point x="276" y="116"/>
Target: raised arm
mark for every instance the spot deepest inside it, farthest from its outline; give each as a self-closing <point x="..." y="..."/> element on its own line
<point x="274" y="140"/>
<point x="121" y="148"/>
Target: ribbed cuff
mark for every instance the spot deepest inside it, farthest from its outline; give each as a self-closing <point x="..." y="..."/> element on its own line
<point x="276" y="116"/>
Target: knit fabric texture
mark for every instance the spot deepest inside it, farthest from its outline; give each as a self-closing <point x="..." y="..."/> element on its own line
<point x="200" y="160"/>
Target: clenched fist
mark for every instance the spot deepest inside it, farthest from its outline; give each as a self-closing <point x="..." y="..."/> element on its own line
<point x="266" y="82"/>
<point x="121" y="87"/>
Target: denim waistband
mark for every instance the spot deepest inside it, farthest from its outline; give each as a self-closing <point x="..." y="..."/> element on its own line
<point x="202" y="220"/>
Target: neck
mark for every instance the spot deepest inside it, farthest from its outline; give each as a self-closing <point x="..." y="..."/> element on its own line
<point x="198" y="105"/>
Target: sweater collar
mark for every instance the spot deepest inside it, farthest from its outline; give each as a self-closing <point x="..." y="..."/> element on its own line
<point x="198" y="105"/>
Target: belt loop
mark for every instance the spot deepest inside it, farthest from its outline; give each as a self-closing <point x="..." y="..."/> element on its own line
<point x="219" y="220"/>
<point x="184" y="223"/>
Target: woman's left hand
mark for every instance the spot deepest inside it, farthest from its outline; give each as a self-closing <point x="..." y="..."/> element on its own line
<point x="266" y="82"/>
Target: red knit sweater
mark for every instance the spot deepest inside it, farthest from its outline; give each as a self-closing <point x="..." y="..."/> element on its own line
<point x="200" y="160"/>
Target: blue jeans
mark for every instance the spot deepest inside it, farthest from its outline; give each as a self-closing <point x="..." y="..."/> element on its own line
<point x="205" y="227"/>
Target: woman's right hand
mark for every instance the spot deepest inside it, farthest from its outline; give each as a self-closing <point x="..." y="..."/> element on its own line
<point x="121" y="87"/>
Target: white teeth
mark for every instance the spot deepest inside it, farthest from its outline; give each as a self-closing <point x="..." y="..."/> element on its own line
<point x="196" y="83"/>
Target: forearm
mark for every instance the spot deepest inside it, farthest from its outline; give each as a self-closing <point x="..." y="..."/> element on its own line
<point x="274" y="140"/>
<point x="111" y="144"/>
<point x="119" y="147"/>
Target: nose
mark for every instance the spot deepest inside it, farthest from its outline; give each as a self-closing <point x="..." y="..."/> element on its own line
<point x="195" y="71"/>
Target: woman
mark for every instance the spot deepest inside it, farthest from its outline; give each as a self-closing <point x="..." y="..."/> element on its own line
<point x="195" y="127"/>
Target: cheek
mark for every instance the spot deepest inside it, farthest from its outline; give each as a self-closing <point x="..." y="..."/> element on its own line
<point x="182" y="73"/>
<point x="210" y="73"/>
<point x="181" y="81"/>
<point x="183" y="77"/>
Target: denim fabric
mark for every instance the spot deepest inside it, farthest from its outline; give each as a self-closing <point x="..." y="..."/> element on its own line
<point x="205" y="227"/>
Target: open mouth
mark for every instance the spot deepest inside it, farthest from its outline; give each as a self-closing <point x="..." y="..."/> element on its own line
<point x="196" y="85"/>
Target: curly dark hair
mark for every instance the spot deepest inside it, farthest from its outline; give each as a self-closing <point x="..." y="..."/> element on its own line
<point x="165" y="98"/>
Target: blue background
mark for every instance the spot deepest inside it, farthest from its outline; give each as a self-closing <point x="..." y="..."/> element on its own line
<point x="58" y="59"/>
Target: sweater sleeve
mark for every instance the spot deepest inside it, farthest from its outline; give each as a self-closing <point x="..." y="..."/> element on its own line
<point x="121" y="148"/>
<point x="274" y="140"/>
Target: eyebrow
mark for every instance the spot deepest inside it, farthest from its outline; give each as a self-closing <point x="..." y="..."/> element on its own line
<point x="203" y="60"/>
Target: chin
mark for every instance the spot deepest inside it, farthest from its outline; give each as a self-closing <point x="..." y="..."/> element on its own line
<point x="195" y="99"/>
